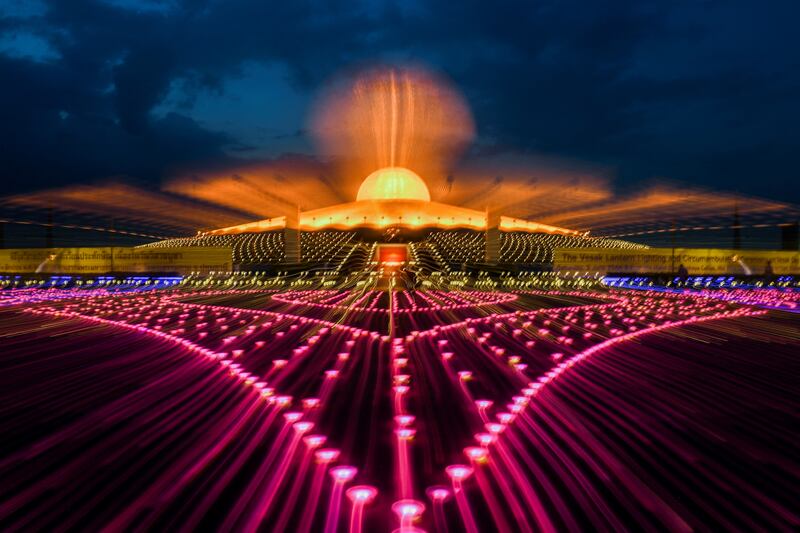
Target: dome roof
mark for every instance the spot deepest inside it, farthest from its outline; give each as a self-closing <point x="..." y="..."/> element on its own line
<point x="393" y="183"/>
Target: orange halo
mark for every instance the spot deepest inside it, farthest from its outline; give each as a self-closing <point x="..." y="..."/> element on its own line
<point x="391" y="117"/>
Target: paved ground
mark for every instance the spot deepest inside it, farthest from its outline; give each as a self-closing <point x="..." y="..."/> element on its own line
<point x="121" y="412"/>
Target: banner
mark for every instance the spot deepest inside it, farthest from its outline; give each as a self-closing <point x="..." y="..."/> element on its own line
<point x="697" y="261"/>
<point x="103" y="260"/>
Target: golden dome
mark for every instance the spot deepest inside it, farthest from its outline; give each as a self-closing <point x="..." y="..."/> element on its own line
<point x="393" y="183"/>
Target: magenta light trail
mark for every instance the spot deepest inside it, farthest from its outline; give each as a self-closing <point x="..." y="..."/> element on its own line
<point x="438" y="496"/>
<point x="408" y="511"/>
<point x="252" y="410"/>
<point x="359" y="496"/>
<point x="312" y="443"/>
<point x="340" y="475"/>
<point x="324" y="457"/>
<point x="458" y="474"/>
<point x="782" y="299"/>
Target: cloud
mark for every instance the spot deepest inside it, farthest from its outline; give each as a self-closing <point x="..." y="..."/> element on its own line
<point x="698" y="92"/>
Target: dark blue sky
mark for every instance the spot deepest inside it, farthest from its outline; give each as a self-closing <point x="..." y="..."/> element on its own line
<point x="699" y="92"/>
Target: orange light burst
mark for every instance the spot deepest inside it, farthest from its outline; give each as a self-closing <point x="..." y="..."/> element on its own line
<point x="392" y="117"/>
<point x="266" y="188"/>
<point x="664" y="206"/>
<point x="127" y="203"/>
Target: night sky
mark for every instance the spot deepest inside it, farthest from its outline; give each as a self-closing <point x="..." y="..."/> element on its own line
<point x="703" y="93"/>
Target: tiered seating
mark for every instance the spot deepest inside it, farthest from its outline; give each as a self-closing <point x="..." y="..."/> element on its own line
<point x="268" y="247"/>
<point x="441" y="251"/>
<point x="248" y="248"/>
<point x="427" y="258"/>
<point x="468" y="247"/>
<point x="258" y="248"/>
<point x="204" y="240"/>
<point x="357" y="258"/>
<point x="459" y="246"/>
<point x="325" y="246"/>
<point x="531" y="248"/>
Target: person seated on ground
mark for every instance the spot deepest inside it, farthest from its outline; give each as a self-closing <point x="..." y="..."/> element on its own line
<point x="683" y="274"/>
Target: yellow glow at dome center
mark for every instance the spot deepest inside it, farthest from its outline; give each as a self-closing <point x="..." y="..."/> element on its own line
<point x="393" y="183"/>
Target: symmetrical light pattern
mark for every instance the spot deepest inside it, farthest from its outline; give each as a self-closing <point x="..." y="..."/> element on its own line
<point x="376" y="410"/>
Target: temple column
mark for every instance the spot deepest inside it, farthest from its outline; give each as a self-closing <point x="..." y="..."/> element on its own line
<point x="291" y="238"/>
<point x="492" y="236"/>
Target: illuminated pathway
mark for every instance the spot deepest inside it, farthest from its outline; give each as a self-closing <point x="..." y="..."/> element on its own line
<point x="257" y="410"/>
